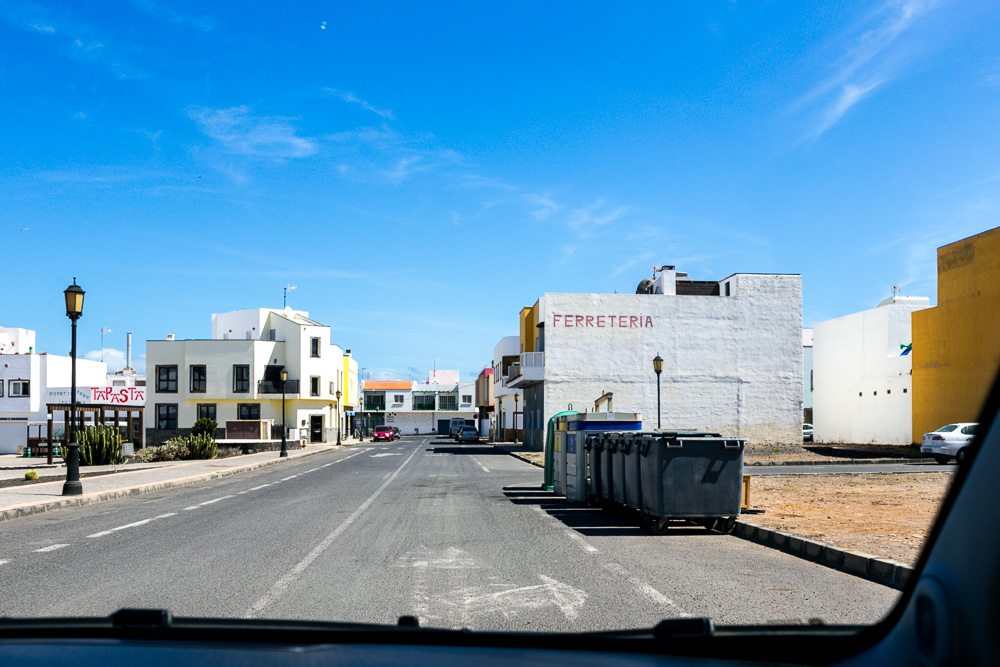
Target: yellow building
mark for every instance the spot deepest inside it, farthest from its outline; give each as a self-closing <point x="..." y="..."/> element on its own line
<point x="956" y="345"/>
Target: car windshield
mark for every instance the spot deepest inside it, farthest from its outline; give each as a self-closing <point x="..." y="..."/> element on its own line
<point x="636" y="250"/>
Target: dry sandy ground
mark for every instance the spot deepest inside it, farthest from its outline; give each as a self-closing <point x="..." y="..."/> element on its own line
<point x="886" y="515"/>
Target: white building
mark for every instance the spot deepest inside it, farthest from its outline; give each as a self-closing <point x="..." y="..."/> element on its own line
<point x="26" y="380"/>
<point x="862" y="374"/>
<point x="506" y="355"/>
<point x="732" y="354"/>
<point x="807" y="376"/>
<point x="235" y="375"/>
<point x="419" y="408"/>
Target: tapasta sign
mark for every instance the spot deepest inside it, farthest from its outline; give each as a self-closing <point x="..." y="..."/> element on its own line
<point x="99" y="395"/>
<point x="603" y="321"/>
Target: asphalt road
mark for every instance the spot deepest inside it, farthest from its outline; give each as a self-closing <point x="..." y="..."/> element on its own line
<point x="458" y="535"/>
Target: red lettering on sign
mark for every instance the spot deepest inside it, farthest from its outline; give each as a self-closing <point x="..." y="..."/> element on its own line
<point x="631" y="321"/>
<point x="555" y="319"/>
<point x="590" y="320"/>
<point x="621" y="321"/>
<point x="579" y="320"/>
<point x="567" y="320"/>
<point x="600" y="321"/>
<point x="649" y="321"/>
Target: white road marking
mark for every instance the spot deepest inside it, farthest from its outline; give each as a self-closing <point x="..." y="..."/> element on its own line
<point x="258" y="487"/>
<point x="578" y="538"/>
<point x="327" y="464"/>
<point x="4" y="562"/>
<point x="134" y="524"/>
<point x="52" y="547"/>
<point x="481" y="600"/>
<point x="240" y="493"/>
<point x="166" y="516"/>
<point x="485" y="469"/>
<point x="375" y="456"/>
<point x="214" y="500"/>
<point x="188" y="509"/>
<point x="282" y="584"/>
<point x="313" y="470"/>
<point x="285" y="479"/>
<point x="643" y="588"/>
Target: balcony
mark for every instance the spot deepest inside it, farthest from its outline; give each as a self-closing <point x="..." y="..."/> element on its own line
<point x="274" y="387"/>
<point x="530" y="370"/>
<point x="375" y="405"/>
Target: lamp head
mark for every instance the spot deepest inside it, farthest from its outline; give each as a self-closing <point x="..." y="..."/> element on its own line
<point x="74" y="300"/>
<point x="657" y="364"/>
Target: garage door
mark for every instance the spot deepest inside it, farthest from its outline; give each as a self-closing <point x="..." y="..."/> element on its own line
<point x="12" y="436"/>
<point x="444" y="427"/>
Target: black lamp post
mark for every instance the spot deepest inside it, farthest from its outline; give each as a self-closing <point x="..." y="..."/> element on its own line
<point x="340" y="419"/>
<point x="517" y="397"/>
<point x="74" y="310"/>
<point x="658" y="368"/>
<point x="284" y="431"/>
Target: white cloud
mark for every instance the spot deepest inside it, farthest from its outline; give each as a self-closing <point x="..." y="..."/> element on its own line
<point x="169" y="14"/>
<point x="115" y="359"/>
<point x="238" y="131"/>
<point x="43" y="28"/>
<point x="352" y="99"/>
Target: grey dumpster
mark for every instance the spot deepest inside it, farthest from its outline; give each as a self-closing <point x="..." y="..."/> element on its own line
<point x="618" y="444"/>
<point x="607" y="474"/>
<point x="629" y="445"/>
<point x="594" y="445"/>
<point x="689" y="475"/>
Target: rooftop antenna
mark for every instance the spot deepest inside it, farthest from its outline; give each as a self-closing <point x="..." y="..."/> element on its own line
<point x="284" y="301"/>
<point x="896" y="290"/>
<point x="104" y="330"/>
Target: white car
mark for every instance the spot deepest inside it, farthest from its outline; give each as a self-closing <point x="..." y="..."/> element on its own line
<point x="949" y="442"/>
<point x="807" y="433"/>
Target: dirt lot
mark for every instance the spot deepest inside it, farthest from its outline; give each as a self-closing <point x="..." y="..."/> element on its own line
<point x="886" y="515"/>
<point x="761" y="453"/>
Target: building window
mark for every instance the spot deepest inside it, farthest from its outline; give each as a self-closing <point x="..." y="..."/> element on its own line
<point x="727" y="289"/>
<point x="140" y="383"/>
<point x="314" y="347"/>
<point x="249" y="410"/>
<point x="398" y="399"/>
<point x="1" y="388"/>
<point x="423" y="401"/>
<point x="19" y="388"/>
<point x="272" y="335"/>
<point x="448" y="402"/>
<point x="314" y="386"/>
<point x="241" y="379"/>
<point x="166" y="416"/>
<point x="332" y="392"/>
<point x="118" y="383"/>
<point x="166" y="379"/>
<point x="466" y="398"/>
<point x="198" y="379"/>
<point x="206" y="411"/>
<point x="811" y="387"/>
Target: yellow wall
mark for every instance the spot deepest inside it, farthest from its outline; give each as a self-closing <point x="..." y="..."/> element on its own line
<point x="956" y="345"/>
<point x="529" y="327"/>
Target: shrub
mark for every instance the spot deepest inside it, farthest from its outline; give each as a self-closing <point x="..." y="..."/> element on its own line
<point x="175" y="449"/>
<point x="147" y="455"/>
<point x="100" y="446"/>
<point x="31" y="474"/>
<point x="201" y="446"/>
<point x="226" y="452"/>
<point x="205" y="426"/>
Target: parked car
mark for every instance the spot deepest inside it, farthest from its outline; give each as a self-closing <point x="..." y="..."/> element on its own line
<point x="807" y="433"/>
<point x="384" y="433"/>
<point x="456" y="424"/>
<point x="468" y="434"/>
<point x="949" y="442"/>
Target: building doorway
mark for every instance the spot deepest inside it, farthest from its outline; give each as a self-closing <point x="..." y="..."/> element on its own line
<point x="316" y="428"/>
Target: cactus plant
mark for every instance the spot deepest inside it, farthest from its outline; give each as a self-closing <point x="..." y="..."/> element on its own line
<point x="201" y="446"/>
<point x="100" y="446"/>
<point x="31" y="475"/>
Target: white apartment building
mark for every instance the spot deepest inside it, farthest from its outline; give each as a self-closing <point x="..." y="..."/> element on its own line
<point x="27" y="378"/>
<point x="731" y="350"/>
<point x="506" y="354"/>
<point x="419" y="408"/>
<point x="235" y="375"/>
<point x="862" y="375"/>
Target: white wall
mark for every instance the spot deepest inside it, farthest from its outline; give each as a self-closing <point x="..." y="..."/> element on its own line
<point x="731" y="364"/>
<point x="862" y="386"/>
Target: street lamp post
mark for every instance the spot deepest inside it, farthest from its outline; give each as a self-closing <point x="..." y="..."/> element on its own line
<point x="74" y="310"/>
<point x="517" y="397"/>
<point x="658" y="368"/>
<point x="284" y="430"/>
<point x="340" y="418"/>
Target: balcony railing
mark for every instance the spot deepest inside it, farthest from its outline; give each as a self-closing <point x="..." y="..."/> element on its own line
<point x="374" y="405"/>
<point x="513" y="372"/>
<point x="423" y="406"/>
<point x="448" y="405"/>
<point x="531" y="359"/>
<point x="274" y="387"/>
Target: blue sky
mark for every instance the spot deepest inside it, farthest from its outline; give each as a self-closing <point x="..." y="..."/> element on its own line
<point x="421" y="172"/>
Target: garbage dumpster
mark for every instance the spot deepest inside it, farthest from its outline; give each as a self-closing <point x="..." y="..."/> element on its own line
<point x="618" y="444"/>
<point x="629" y="444"/>
<point x="593" y="446"/>
<point x="607" y="473"/>
<point x="695" y="476"/>
<point x="574" y="456"/>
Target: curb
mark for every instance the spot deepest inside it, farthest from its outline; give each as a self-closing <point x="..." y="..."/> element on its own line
<point x="880" y="570"/>
<point x="518" y="456"/>
<point x="17" y="512"/>
<point x="837" y="462"/>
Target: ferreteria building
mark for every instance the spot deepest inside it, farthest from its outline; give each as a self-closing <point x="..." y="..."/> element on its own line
<point x="731" y="350"/>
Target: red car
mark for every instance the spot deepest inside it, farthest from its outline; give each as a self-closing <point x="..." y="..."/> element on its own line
<point x="384" y="433"/>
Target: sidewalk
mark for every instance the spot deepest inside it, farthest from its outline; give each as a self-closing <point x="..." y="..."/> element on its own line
<point x="24" y="500"/>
